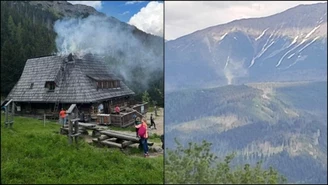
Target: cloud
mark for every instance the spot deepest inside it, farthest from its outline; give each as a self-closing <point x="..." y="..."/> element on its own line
<point x="182" y="18"/>
<point x="124" y="13"/>
<point x="149" y="19"/>
<point x="132" y="2"/>
<point x="96" y="4"/>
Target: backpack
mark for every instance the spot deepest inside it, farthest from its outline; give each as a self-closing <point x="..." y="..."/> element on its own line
<point x="142" y="131"/>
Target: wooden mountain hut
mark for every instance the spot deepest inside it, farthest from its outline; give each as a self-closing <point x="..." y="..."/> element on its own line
<point x="50" y="83"/>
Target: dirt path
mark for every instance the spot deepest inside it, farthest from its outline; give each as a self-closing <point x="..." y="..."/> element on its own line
<point x="158" y="121"/>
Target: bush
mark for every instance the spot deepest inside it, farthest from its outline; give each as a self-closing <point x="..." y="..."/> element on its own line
<point x="196" y="164"/>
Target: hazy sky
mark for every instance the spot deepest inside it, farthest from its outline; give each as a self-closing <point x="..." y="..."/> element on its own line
<point x="145" y="15"/>
<point x="184" y="17"/>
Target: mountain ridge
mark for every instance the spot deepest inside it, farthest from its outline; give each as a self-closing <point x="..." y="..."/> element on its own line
<point x="234" y="53"/>
<point x="245" y="21"/>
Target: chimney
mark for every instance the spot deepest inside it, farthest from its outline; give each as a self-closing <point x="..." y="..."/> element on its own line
<point x="70" y="57"/>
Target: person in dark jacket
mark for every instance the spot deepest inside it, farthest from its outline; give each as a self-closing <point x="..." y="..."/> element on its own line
<point x="152" y="122"/>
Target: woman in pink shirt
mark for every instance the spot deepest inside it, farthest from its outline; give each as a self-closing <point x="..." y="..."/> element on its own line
<point x="142" y="132"/>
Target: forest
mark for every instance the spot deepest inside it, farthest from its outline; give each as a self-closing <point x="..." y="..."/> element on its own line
<point x="24" y="35"/>
<point x="27" y="32"/>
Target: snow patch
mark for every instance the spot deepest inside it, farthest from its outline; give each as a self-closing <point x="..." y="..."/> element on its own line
<point x="294" y="41"/>
<point x="261" y="34"/>
<point x="299" y="58"/>
<point x="290" y="56"/>
<point x="312" y="31"/>
<point x="222" y="37"/>
<point x="260" y="54"/>
<point x="279" y="62"/>
<point x="308" y="44"/>
<point x="252" y="63"/>
<point x="226" y="64"/>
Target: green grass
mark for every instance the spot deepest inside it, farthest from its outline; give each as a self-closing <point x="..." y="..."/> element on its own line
<point x="32" y="153"/>
<point x="155" y="138"/>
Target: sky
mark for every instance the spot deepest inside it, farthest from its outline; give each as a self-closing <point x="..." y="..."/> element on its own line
<point x="185" y="17"/>
<point x="145" y="15"/>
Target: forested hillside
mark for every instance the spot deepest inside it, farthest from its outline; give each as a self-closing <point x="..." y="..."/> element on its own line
<point x="26" y="32"/>
<point x="283" y="124"/>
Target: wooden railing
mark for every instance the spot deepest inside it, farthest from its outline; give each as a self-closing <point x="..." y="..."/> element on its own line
<point x="124" y="119"/>
<point x="138" y="107"/>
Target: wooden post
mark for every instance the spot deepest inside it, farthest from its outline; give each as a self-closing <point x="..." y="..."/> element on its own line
<point x="70" y="130"/>
<point x="127" y="143"/>
<point x="6" y="118"/>
<point x="12" y="114"/>
<point x="76" y="130"/>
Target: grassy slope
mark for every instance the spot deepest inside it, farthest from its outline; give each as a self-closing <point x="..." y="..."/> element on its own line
<point x="32" y="153"/>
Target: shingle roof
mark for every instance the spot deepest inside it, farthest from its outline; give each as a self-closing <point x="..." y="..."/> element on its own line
<point x="73" y="82"/>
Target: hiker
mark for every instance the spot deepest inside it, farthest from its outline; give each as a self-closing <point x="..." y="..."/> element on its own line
<point x="137" y="122"/>
<point x="142" y="132"/>
<point x="117" y="109"/>
<point x="62" y="115"/>
<point x="152" y="123"/>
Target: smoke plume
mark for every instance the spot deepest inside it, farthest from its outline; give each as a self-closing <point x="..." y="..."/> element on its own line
<point x="125" y="48"/>
<point x="234" y="69"/>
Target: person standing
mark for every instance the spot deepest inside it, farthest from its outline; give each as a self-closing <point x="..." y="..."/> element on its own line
<point x="142" y="132"/>
<point x="117" y="109"/>
<point x="152" y="122"/>
<point x="62" y="115"/>
<point x="137" y="122"/>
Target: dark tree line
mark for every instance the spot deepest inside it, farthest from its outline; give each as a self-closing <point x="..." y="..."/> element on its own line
<point x="25" y="34"/>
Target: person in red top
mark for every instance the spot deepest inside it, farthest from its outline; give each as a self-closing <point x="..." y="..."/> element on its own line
<point x="117" y="109"/>
<point x="62" y="115"/>
<point x="144" y="137"/>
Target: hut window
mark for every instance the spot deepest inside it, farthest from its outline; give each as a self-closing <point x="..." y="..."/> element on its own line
<point x="31" y="86"/>
<point x="108" y="84"/>
<point x="50" y="85"/>
<point x="116" y="84"/>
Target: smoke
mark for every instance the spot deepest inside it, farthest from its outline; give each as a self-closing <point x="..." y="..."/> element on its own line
<point x="234" y="69"/>
<point x="126" y="49"/>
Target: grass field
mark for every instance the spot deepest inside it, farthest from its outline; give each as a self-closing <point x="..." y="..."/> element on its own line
<point x="33" y="153"/>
